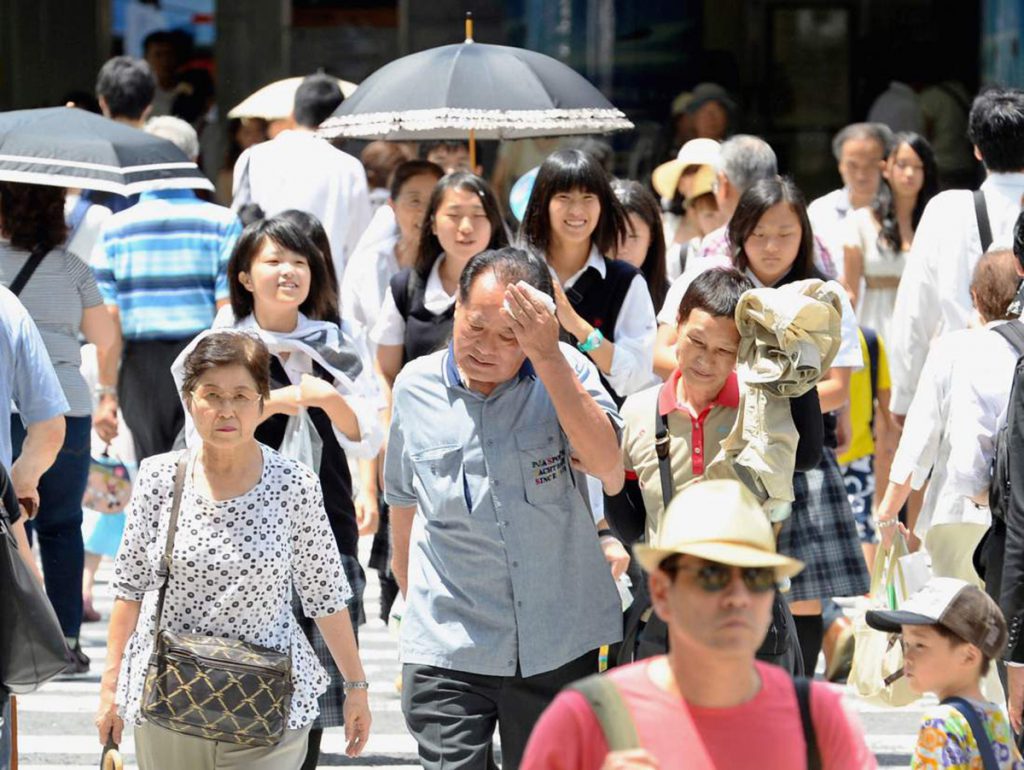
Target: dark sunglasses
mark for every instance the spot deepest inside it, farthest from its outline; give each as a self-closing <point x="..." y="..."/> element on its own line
<point x="713" y="577"/>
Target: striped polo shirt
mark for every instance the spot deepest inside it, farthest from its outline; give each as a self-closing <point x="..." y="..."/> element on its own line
<point x="163" y="263"/>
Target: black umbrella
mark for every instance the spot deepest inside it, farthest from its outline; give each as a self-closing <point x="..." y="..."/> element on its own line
<point x="68" y="147"/>
<point x="475" y="90"/>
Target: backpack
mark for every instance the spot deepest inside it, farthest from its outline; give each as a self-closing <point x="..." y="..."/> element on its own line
<point x="620" y="733"/>
<point x="999" y="486"/>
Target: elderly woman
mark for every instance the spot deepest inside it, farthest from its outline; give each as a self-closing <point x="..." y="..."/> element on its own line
<point x="251" y="525"/>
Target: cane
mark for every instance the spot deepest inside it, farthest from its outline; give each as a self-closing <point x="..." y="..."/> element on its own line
<point x="14" y="733"/>
<point x="111" y="758"/>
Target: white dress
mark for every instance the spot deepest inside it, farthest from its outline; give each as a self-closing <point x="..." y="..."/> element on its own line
<point x="875" y="308"/>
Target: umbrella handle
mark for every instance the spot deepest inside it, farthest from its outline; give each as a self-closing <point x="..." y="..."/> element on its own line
<point x="111" y="759"/>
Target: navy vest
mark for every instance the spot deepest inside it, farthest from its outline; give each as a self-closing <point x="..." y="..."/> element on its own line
<point x="425" y="332"/>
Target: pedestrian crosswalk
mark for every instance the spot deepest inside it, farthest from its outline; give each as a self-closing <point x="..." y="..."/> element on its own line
<point x="55" y="723"/>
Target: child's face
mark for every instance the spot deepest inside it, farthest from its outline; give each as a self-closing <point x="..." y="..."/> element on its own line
<point x="934" y="663"/>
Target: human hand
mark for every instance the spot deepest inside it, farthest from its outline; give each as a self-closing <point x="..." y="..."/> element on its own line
<point x="1015" y="696"/>
<point x="108" y="724"/>
<point x="888" y="535"/>
<point x="535" y="328"/>
<point x="367" y="512"/>
<point x="634" y="759"/>
<point x="104" y="420"/>
<point x="314" y="391"/>
<point x="357" y="721"/>
<point x="567" y="316"/>
<point x="615" y="554"/>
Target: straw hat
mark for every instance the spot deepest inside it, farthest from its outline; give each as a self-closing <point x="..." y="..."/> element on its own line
<point x="703" y="183"/>
<point x="720" y="521"/>
<point x="696" y="152"/>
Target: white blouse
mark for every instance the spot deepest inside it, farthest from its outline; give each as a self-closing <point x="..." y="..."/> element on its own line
<point x="232" y="571"/>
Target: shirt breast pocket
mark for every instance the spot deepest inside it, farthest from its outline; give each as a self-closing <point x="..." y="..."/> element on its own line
<point x="544" y="462"/>
<point x="441" y="478"/>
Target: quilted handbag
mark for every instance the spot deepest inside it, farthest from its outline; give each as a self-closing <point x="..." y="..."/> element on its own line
<point x="212" y="687"/>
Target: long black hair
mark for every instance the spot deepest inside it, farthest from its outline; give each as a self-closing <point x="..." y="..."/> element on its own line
<point x="564" y="171"/>
<point x="883" y="206"/>
<point x="753" y="205"/>
<point x="430" y="246"/>
<point x="637" y="199"/>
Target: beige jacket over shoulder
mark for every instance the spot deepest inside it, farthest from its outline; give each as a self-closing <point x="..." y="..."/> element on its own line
<point x="789" y="337"/>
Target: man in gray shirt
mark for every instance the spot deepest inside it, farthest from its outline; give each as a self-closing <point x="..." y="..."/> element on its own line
<point x="506" y="577"/>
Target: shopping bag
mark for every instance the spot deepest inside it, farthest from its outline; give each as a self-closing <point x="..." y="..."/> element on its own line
<point x="877" y="671"/>
<point x="109" y="487"/>
<point x="301" y="441"/>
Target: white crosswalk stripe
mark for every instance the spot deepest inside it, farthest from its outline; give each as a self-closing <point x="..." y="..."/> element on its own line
<point x="55" y="724"/>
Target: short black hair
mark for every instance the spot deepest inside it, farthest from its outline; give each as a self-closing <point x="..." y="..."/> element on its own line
<point x="426" y="148"/>
<point x="127" y="86"/>
<point x="753" y="205"/>
<point x="564" y="171"/>
<point x="716" y="292"/>
<point x="160" y="37"/>
<point x="509" y="265"/>
<point x="322" y="302"/>
<point x="996" y="127"/>
<point x="1018" y="239"/>
<point x="315" y="99"/>
<point x="410" y="169"/>
<point x="430" y="247"/>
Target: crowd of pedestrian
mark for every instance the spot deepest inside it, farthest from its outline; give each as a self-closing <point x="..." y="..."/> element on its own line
<point x="661" y="426"/>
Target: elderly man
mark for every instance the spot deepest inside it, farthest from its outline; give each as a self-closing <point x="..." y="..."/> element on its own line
<point x="161" y="267"/>
<point x="712" y="580"/>
<point x="508" y="589"/>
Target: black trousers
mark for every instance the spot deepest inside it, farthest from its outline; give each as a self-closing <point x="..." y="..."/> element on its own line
<point x="149" y="401"/>
<point x="453" y="714"/>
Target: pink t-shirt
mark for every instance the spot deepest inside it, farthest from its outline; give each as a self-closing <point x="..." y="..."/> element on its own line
<point x="765" y="732"/>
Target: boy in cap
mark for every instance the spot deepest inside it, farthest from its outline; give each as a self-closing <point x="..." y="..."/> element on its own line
<point x="713" y="573"/>
<point x="951" y="633"/>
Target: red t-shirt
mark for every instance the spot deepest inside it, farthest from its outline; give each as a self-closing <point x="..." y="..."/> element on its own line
<point x="764" y="732"/>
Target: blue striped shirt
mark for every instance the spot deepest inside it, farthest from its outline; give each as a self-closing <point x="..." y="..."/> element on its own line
<point x="163" y="263"/>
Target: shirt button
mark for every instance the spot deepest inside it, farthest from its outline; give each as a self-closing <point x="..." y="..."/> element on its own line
<point x="496" y="483"/>
<point x="515" y="564"/>
<point x="490" y="442"/>
<point x="519" y="604"/>
<point x="696" y="450"/>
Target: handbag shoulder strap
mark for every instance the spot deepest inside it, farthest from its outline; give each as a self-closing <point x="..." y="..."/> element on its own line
<point x="28" y="269"/>
<point x="1012" y="332"/>
<point x="163" y="572"/>
<point x="988" y="755"/>
<point x="611" y="711"/>
<point x="981" y="214"/>
<point x="803" y="698"/>
<point x="661" y="447"/>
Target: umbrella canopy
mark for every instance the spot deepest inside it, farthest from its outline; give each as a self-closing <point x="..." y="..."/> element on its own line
<point x="495" y="91"/>
<point x="68" y="147"/>
<point x="276" y="100"/>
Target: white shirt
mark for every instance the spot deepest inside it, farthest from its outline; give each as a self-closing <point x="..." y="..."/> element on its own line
<point x="299" y="170"/>
<point x="635" y="330"/>
<point x="84" y="239"/>
<point x="367" y="275"/>
<point x="390" y="326"/>
<point x="849" y="354"/>
<point x="898" y="108"/>
<point x="952" y="424"/>
<point x="934" y="295"/>
<point x="827" y="215"/>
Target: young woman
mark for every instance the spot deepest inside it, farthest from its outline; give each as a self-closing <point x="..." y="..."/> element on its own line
<point x="281" y="290"/>
<point x="644" y="244"/>
<point x="225" y="384"/>
<point x="770" y="226"/>
<point x="574" y="220"/>
<point x="461" y="220"/>
<point x="878" y="237"/>
<point x="388" y="246"/>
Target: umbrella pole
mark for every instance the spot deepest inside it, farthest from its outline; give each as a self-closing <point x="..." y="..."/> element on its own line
<point x="472" y="150"/>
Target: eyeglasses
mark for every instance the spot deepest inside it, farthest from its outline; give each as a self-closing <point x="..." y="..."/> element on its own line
<point x="239" y="402"/>
<point x="714" y="577"/>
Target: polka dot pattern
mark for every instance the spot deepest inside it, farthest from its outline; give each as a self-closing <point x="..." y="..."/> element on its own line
<point x="232" y="571"/>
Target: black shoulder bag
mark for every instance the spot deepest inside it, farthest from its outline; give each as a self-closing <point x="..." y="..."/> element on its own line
<point x="21" y="279"/>
<point x="213" y="687"/>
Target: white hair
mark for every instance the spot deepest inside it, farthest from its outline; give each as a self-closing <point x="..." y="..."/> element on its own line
<point x="176" y="131"/>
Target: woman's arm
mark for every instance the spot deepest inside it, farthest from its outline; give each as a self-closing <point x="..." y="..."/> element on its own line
<point x="100" y="328"/>
<point x="337" y="632"/>
<point x="853" y="271"/>
<point x="806" y="412"/>
<point x="390" y="359"/>
<point x="834" y="389"/>
<point x="123" y="620"/>
<point x="367" y="509"/>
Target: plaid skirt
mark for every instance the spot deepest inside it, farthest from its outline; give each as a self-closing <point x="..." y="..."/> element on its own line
<point x="821" y="532"/>
<point x="333" y="700"/>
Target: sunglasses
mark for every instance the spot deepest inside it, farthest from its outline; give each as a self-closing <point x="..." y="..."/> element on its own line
<point x="714" y="577"/>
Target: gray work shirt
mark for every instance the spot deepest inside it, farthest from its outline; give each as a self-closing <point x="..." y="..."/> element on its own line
<point x="505" y="567"/>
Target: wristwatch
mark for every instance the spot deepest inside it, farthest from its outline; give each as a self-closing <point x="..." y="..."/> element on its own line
<point x="592" y="342"/>
<point x="362" y="684"/>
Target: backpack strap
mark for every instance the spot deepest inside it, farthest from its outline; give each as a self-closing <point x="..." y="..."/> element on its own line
<point x="802" y="685"/>
<point x="401" y="292"/>
<point x="988" y="755"/>
<point x="1012" y="332"/>
<point x="611" y="711"/>
<point x="874" y="354"/>
<point x="981" y="214"/>
<point x="661" y="447"/>
<point x="28" y="269"/>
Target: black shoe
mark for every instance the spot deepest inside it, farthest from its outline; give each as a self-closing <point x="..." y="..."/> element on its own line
<point x="78" y="661"/>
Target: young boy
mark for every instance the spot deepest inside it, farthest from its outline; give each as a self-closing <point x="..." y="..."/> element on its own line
<point x="952" y="631"/>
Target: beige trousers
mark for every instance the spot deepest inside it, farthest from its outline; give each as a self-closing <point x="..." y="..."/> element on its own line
<point x="951" y="547"/>
<point x="157" y="748"/>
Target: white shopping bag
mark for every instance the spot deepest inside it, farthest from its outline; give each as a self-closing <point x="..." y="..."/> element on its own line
<point x="301" y="442"/>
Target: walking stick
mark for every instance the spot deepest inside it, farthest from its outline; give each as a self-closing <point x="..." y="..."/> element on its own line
<point x="14" y="733"/>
